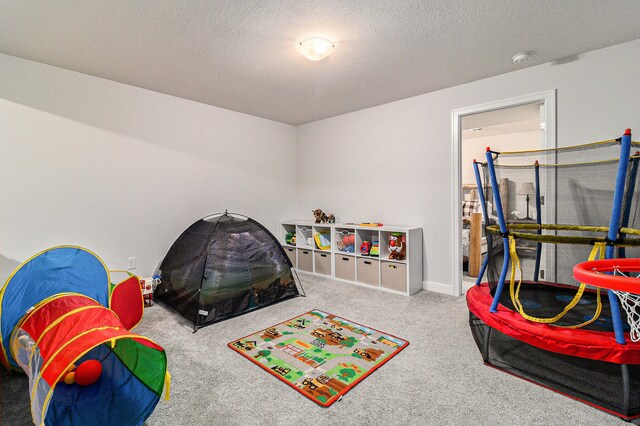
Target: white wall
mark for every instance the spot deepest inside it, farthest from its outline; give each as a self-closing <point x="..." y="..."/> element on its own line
<point x="122" y="170"/>
<point x="475" y="148"/>
<point x="393" y="163"/>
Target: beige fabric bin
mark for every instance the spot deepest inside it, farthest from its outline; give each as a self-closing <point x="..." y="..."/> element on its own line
<point x="323" y="263"/>
<point x="368" y="271"/>
<point x="394" y="276"/>
<point x="291" y="253"/>
<point x="345" y="267"/>
<point x="305" y="260"/>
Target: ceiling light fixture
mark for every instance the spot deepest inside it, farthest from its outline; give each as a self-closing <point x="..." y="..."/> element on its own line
<point x="315" y="49"/>
<point x="521" y="57"/>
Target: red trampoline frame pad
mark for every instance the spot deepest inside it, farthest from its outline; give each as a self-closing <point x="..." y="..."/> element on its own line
<point x="596" y="345"/>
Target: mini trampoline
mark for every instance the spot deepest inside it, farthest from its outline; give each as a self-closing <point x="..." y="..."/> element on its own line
<point x="531" y="318"/>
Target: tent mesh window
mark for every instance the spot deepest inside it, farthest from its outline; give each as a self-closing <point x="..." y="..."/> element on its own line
<point x="224" y="266"/>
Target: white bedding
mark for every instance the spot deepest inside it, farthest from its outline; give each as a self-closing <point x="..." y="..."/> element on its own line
<point x="465" y="243"/>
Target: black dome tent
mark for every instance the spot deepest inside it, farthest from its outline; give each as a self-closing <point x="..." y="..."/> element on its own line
<point x="224" y="265"/>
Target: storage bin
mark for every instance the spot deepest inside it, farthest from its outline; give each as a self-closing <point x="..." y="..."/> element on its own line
<point x="345" y="267"/>
<point x="291" y="254"/>
<point x="305" y="260"/>
<point x="323" y="263"/>
<point x="368" y="271"/>
<point x="394" y="276"/>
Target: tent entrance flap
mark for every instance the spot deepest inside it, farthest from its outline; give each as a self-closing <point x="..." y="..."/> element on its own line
<point x="223" y="266"/>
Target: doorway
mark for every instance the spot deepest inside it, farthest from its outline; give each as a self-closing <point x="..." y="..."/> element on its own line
<point x="522" y="123"/>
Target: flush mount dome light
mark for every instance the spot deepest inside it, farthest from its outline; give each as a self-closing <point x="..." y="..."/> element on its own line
<point x="315" y="49"/>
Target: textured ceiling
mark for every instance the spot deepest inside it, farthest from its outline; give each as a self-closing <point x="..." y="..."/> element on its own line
<point x="241" y="55"/>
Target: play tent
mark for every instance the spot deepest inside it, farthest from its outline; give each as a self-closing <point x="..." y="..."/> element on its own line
<point x="224" y="265"/>
<point x="59" y="309"/>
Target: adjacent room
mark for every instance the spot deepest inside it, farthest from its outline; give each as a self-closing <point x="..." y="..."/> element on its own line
<point x="330" y="212"/>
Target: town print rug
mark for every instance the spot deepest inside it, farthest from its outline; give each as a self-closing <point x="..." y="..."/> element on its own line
<point x="320" y="355"/>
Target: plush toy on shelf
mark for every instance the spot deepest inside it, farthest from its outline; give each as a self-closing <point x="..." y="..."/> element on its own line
<point x="322" y="217"/>
<point x="397" y="246"/>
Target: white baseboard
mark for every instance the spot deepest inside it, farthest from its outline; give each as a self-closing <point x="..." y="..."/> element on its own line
<point x="438" y="287"/>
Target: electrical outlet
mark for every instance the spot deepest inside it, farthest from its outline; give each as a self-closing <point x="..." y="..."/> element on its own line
<point x="131" y="263"/>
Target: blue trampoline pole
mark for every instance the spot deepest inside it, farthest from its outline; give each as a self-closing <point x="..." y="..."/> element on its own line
<point x="627" y="205"/>
<point x="538" y="220"/>
<point x="625" y="148"/>
<point x="483" y="203"/>
<point x="503" y="230"/>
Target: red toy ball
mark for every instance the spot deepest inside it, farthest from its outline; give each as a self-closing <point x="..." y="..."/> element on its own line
<point x="88" y="372"/>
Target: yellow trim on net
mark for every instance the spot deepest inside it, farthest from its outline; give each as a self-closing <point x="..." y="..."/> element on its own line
<point x="15" y="271"/>
<point x="557" y="165"/>
<point x="562" y="148"/>
<point x="514" y="290"/>
<point x="126" y="336"/>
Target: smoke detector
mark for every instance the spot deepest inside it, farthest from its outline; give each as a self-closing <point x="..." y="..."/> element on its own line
<point x="521" y="57"/>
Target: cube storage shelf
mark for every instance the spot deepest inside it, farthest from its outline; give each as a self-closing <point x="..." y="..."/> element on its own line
<point x="333" y="250"/>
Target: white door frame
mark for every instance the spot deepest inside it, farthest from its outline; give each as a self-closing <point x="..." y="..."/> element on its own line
<point x="549" y="100"/>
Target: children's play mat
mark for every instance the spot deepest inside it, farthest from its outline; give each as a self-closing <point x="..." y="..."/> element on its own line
<point x="319" y="354"/>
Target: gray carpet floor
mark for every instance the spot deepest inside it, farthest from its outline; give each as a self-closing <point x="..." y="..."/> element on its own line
<point x="438" y="379"/>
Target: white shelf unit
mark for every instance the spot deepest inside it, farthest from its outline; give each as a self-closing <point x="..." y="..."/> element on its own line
<point x="344" y="262"/>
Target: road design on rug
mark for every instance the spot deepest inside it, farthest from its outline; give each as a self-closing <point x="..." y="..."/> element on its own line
<point x="320" y="355"/>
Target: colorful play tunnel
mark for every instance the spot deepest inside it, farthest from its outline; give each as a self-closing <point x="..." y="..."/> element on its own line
<point x="58" y="310"/>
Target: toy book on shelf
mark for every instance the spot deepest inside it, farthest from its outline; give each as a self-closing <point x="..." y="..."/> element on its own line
<point x="323" y="240"/>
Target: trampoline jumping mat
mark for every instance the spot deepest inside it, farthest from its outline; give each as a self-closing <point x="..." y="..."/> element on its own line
<point x="320" y="355"/>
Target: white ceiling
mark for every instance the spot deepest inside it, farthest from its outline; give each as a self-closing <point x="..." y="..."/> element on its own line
<point x="240" y="54"/>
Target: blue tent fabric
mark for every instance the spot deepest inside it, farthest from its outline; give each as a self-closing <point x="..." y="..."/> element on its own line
<point x="64" y="269"/>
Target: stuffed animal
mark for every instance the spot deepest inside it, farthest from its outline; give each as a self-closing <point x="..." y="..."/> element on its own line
<point x="331" y="218"/>
<point x="320" y="216"/>
<point x="397" y="246"/>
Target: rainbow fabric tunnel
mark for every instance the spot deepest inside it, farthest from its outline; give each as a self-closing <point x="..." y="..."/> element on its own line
<point x="59" y="309"/>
